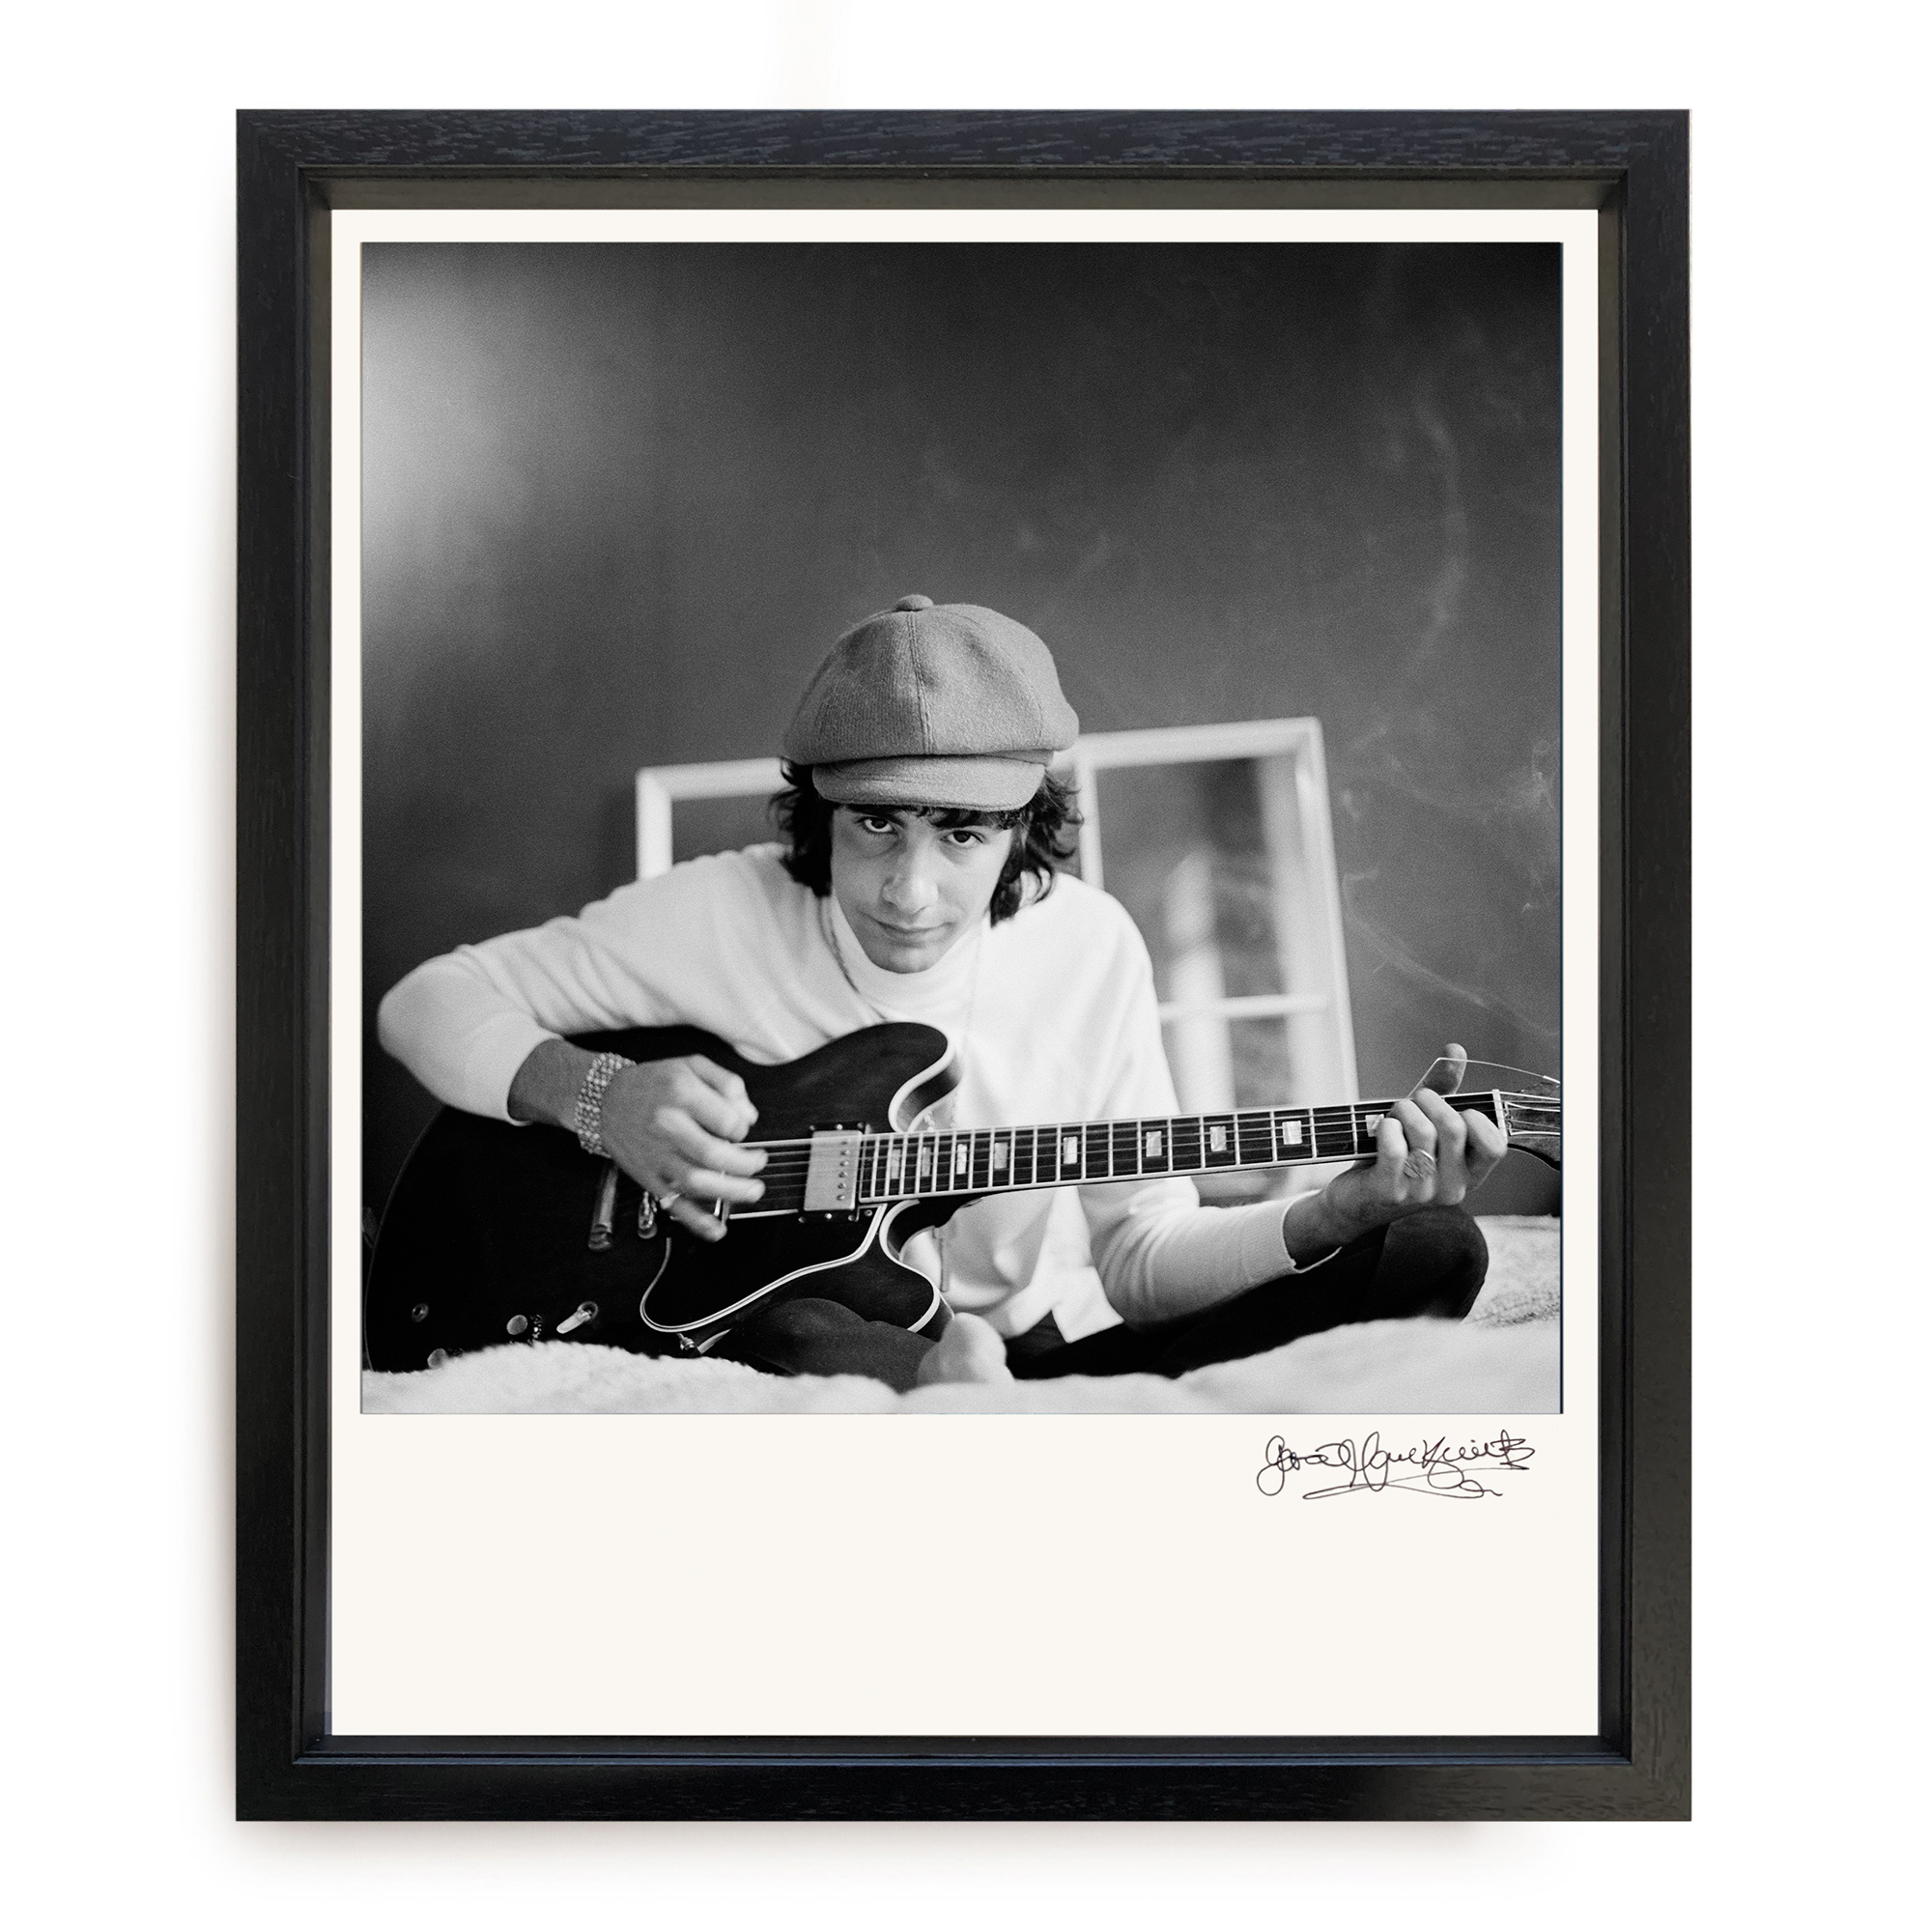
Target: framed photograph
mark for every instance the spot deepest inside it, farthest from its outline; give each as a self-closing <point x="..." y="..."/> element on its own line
<point x="964" y="966"/>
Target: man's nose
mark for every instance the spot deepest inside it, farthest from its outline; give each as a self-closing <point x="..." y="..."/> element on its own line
<point x="909" y="883"/>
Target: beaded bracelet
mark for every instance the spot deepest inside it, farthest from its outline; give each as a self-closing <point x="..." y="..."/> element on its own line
<point x="588" y="1115"/>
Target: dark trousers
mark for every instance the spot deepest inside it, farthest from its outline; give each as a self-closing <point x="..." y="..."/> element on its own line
<point x="1430" y="1265"/>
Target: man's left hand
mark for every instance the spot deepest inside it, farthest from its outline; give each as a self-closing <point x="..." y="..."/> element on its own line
<point x="1427" y="1155"/>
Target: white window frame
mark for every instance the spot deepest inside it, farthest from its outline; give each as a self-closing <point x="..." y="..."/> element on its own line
<point x="661" y="787"/>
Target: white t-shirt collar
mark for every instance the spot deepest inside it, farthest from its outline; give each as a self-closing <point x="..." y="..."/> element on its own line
<point x="931" y="997"/>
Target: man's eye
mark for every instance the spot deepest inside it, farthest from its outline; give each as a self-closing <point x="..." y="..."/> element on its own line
<point x="966" y="835"/>
<point x="877" y="826"/>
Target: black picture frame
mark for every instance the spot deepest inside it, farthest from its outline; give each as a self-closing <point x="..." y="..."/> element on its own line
<point x="293" y="168"/>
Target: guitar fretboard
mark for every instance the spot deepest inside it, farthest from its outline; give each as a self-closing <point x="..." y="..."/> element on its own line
<point x="901" y="1166"/>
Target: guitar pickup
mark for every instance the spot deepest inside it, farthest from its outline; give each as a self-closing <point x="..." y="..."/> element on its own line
<point x="831" y="1173"/>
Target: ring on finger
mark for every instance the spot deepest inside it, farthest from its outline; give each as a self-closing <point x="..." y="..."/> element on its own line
<point x="669" y="1198"/>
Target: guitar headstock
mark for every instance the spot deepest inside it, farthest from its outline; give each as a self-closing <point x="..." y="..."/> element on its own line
<point x="1529" y="1106"/>
<point x="1534" y="1123"/>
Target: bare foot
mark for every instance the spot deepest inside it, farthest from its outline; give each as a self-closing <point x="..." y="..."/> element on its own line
<point x="968" y="1350"/>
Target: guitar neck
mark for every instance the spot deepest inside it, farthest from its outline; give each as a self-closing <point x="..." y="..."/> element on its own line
<point x="890" y="1167"/>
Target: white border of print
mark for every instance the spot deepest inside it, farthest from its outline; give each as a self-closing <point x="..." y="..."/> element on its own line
<point x="1039" y="1575"/>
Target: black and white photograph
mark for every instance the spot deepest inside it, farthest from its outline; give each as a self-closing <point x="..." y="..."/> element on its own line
<point x="962" y="827"/>
<point x="630" y="629"/>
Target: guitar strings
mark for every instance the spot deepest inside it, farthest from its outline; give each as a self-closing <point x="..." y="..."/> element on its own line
<point x="1097" y="1165"/>
<point x="795" y="1166"/>
<point x="1253" y="1116"/>
<point x="794" y="1155"/>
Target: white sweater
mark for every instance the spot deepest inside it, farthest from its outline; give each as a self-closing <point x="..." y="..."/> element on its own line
<point x="1053" y="1011"/>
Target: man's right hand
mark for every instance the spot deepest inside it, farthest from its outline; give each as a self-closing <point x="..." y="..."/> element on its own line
<point x="670" y="1123"/>
<point x="673" y="1124"/>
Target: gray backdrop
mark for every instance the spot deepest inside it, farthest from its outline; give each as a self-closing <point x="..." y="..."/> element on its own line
<point x="618" y="501"/>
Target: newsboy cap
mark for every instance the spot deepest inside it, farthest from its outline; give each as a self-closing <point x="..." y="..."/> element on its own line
<point x="932" y="704"/>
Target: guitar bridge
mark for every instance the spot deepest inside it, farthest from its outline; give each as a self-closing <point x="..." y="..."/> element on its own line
<point x="831" y="1173"/>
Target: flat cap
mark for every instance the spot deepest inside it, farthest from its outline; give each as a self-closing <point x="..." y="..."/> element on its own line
<point x="932" y="704"/>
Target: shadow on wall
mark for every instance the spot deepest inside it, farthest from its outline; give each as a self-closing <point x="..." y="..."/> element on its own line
<point x="618" y="501"/>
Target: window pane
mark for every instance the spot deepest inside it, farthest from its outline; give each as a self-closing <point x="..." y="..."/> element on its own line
<point x="700" y="826"/>
<point x="1185" y="850"/>
<point x="1263" y="1065"/>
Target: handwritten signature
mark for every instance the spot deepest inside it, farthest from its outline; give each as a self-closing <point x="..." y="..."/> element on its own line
<point x="1431" y="1467"/>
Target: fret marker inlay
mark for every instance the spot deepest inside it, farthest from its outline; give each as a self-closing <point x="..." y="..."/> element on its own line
<point x="963" y="1162"/>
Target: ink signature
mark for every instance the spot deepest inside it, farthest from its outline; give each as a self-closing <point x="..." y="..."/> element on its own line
<point x="1436" y="1468"/>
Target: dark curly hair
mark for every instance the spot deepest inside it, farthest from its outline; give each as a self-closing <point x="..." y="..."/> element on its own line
<point x="1047" y="824"/>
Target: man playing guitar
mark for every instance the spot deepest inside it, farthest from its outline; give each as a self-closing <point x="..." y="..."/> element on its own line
<point x="917" y="883"/>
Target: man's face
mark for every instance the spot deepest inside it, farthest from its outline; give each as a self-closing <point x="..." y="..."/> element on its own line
<point x="909" y="888"/>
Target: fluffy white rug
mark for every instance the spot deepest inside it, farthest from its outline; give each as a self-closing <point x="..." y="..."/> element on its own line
<point x="1503" y="1359"/>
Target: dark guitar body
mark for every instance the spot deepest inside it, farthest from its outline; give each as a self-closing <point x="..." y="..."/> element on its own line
<point x="487" y="1236"/>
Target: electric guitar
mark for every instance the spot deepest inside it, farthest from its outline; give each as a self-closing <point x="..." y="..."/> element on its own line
<point x="497" y="1233"/>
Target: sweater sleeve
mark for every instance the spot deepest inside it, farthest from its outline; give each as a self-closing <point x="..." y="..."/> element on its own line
<point x="463" y="1023"/>
<point x="1159" y="1252"/>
